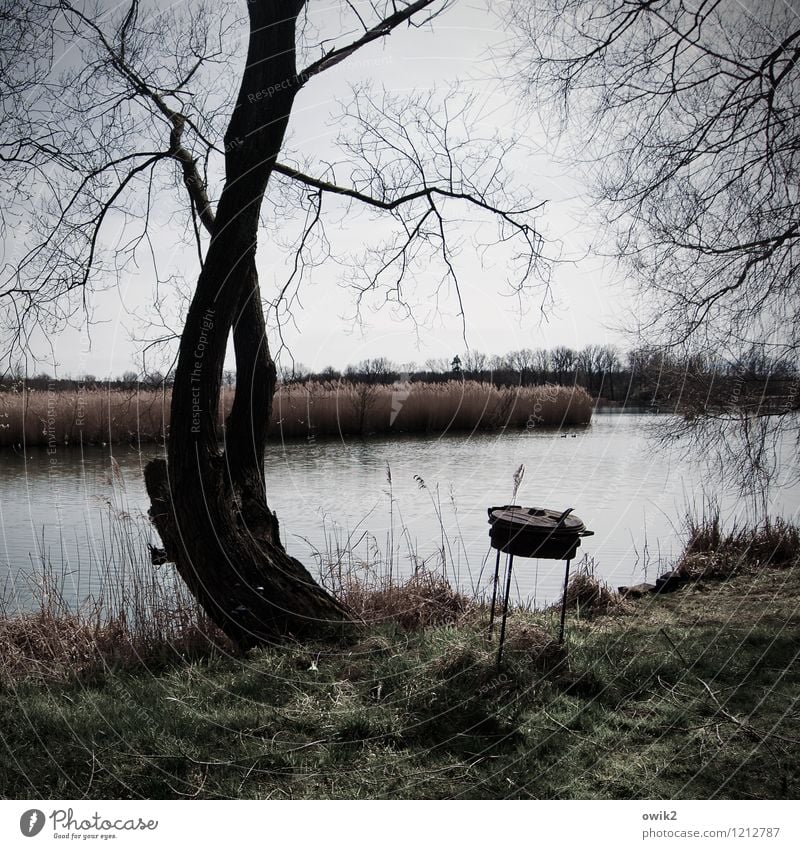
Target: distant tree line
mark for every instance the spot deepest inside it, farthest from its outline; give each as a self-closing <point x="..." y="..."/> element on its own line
<point x="642" y="377"/>
<point x="43" y="381"/>
<point x="645" y="377"/>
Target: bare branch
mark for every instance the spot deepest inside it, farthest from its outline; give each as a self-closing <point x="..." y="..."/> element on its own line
<point x="380" y="30"/>
<point x="688" y="119"/>
<point x="429" y="193"/>
<point x="195" y="184"/>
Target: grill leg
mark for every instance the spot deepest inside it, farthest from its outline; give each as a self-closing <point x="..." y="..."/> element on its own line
<point x="564" y="604"/>
<point x="505" y="610"/>
<point x="494" y="591"/>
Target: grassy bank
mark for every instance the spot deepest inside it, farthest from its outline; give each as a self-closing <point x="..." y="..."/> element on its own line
<point x="687" y="695"/>
<point x="299" y="411"/>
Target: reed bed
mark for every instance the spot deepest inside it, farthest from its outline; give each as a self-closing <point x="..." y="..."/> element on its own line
<point x="712" y="551"/>
<point x="115" y="610"/>
<point x="329" y="409"/>
<point x="90" y="416"/>
<point x="127" y="614"/>
<point x="146" y="617"/>
<point x="95" y="416"/>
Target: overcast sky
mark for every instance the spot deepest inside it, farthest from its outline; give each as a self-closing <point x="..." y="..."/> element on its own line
<point x="467" y="44"/>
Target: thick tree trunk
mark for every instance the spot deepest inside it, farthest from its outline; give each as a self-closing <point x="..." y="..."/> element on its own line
<point x="210" y="507"/>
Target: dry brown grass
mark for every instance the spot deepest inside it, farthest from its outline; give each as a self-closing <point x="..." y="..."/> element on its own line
<point x="535" y="644"/>
<point x="588" y="596"/>
<point x="425" y="600"/>
<point x="136" y="614"/>
<point x="97" y="416"/>
<point x="60" y="647"/>
<point x="716" y="553"/>
<point x="59" y="644"/>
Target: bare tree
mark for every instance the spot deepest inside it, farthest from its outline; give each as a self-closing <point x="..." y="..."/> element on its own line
<point x="521" y="362"/>
<point x="130" y="379"/>
<point x="587" y="361"/>
<point x="361" y="397"/>
<point x="541" y="364"/>
<point x="437" y="365"/>
<point x="608" y="363"/>
<point x="374" y="370"/>
<point x="686" y="114"/>
<point x="164" y="104"/>
<point x="563" y="361"/>
<point x="474" y="363"/>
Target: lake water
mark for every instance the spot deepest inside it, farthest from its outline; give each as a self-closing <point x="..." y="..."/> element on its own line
<point x="73" y="507"/>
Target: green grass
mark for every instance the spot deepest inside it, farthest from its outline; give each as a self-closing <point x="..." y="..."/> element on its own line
<point x="690" y="695"/>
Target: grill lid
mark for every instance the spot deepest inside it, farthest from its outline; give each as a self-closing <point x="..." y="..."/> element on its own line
<point x="536" y="521"/>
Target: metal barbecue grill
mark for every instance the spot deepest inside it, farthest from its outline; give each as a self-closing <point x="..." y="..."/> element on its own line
<point x="532" y="532"/>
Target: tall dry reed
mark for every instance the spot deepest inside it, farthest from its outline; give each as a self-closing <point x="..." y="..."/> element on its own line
<point x="114" y="609"/>
<point x="713" y="551"/>
<point x="325" y="409"/>
<point x="89" y="416"/>
<point x="97" y="416"/>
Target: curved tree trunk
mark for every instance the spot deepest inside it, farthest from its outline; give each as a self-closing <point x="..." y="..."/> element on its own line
<point x="210" y="507"/>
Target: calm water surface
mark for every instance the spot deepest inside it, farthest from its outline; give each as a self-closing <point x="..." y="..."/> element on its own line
<point x="67" y="507"/>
